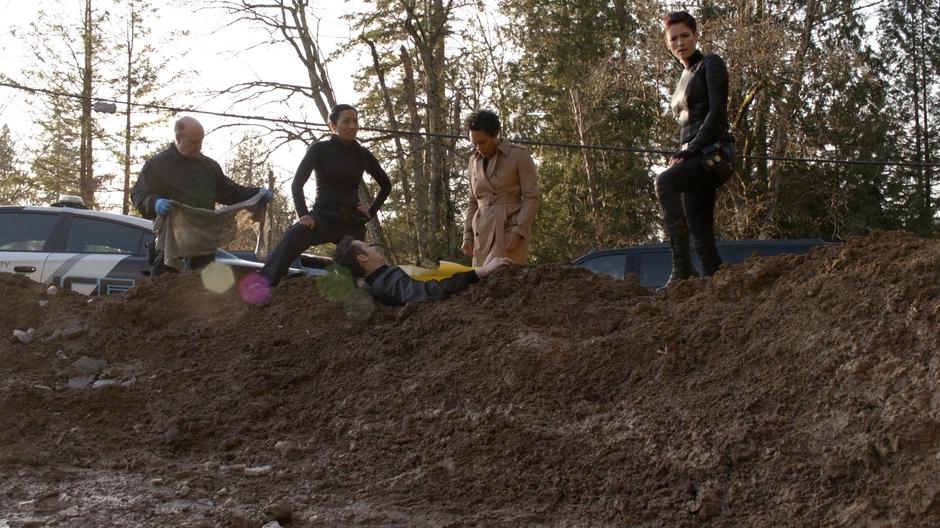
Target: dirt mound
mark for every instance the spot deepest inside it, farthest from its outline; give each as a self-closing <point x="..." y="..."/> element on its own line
<point x="20" y="308"/>
<point x="788" y="391"/>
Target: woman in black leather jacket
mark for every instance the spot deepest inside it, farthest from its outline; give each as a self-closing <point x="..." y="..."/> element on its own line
<point x="686" y="190"/>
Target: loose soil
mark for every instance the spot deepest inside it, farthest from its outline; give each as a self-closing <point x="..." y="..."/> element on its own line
<point x="789" y="391"/>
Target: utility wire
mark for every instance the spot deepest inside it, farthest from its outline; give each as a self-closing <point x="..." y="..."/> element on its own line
<point x="458" y="137"/>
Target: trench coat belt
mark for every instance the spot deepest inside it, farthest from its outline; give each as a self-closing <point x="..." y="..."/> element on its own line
<point x="486" y="201"/>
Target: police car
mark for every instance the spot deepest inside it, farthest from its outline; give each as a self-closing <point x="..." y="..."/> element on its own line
<point x="90" y="252"/>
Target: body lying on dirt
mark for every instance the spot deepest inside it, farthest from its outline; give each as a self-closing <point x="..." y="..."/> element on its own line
<point x="390" y="285"/>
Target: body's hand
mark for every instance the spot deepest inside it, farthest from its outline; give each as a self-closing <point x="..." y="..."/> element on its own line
<point x="513" y="242"/>
<point x="494" y="264"/>
<point x="162" y="206"/>
<point x="268" y="195"/>
<point x="680" y="156"/>
<point x="363" y="209"/>
<point x="467" y="248"/>
<point x="307" y="220"/>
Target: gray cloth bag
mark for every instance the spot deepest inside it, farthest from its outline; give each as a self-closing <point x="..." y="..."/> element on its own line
<point x="191" y="231"/>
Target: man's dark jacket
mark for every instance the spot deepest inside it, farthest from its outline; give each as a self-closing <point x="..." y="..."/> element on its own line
<point x="198" y="182"/>
<point x="707" y="100"/>
<point x="392" y="286"/>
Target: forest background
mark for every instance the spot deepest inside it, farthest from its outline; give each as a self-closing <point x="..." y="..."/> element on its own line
<point x="834" y="107"/>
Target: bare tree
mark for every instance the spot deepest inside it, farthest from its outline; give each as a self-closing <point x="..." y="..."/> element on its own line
<point x="291" y="23"/>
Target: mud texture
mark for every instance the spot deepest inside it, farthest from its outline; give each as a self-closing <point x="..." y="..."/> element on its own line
<point x="788" y="392"/>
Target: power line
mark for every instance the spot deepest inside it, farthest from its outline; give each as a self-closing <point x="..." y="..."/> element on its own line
<point x="457" y="137"/>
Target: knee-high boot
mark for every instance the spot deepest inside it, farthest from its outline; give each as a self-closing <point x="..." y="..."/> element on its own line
<point x="708" y="256"/>
<point x="678" y="233"/>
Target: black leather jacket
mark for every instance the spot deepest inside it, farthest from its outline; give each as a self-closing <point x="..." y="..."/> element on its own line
<point x="707" y="100"/>
<point x="392" y="286"/>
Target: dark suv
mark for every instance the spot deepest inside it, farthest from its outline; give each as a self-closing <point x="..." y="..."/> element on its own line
<point x="651" y="263"/>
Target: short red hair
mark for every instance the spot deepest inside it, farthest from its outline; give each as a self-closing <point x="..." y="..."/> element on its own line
<point x="680" y="17"/>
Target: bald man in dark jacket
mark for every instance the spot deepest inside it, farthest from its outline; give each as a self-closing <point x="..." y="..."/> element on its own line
<point x="182" y="173"/>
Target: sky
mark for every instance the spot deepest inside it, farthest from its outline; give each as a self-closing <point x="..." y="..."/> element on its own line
<point x="217" y="56"/>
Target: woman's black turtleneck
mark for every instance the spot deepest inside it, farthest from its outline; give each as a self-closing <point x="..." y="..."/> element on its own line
<point x="339" y="167"/>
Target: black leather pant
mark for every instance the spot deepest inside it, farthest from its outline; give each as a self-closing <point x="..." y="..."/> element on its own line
<point x="300" y="237"/>
<point x="686" y="193"/>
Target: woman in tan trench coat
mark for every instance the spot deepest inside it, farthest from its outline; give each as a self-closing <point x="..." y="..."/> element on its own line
<point x="504" y="194"/>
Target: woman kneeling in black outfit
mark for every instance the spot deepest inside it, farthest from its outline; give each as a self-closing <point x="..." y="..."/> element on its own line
<point x="686" y="190"/>
<point x="339" y="163"/>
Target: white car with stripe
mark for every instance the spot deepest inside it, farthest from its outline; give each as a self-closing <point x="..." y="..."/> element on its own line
<point x="90" y="252"/>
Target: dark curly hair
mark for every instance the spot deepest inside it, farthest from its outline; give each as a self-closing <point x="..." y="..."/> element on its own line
<point x="485" y="120"/>
<point x="345" y="255"/>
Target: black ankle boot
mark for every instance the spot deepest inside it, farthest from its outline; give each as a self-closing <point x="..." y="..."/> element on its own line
<point x="678" y="233"/>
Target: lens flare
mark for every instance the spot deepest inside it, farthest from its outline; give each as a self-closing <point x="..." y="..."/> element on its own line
<point x="254" y="289"/>
<point x="217" y="277"/>
<point x="359" y="305"/>
<point x="337" y="284"/>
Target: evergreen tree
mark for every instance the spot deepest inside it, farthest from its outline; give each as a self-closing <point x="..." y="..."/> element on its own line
<point x="826" y="103"/>
<point x="144" y="78"/>
<point x="417" y="90"/>
<point x="908" y="40"/>
<point x="54" y="166"/>
<point x="585" y="75"/>
<point x="16" y="188"/>
<point x="69" y="59"/>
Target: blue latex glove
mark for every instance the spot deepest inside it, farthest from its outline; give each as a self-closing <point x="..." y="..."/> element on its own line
<point x="268" y="195"/>
<point x="162" y="206"/>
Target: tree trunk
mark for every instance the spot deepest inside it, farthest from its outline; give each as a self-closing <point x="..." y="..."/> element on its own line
<point x="271" y="219"/>
<point x="436" y="118"/>
<point x="927" y="176"/>
<point x="417" y="158"/>
<point x="454" y="225"/>
<point x="597" y="206"/>
<point x="374" y="226"/>
<point x="786" y="114"/>
<point x="86" y="170"/>
<point x="131" y="27"/>
<point x="393" y="122"/>
<point x="309" y="52"/>
<point x="428" y="33"/>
